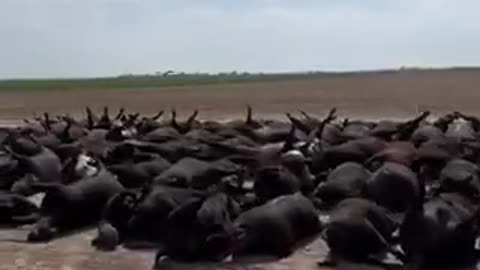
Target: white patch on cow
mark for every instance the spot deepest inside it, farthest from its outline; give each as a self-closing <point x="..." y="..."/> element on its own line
<point x="294" y="153"/>
<point x="324" y="218"/>
<point x="37" y="199"/>
<point x="457" y="128"/>
<point x="228" y="259"/>
<point x="428" y="189"/>
<point x="84" y="168"/>
<point x="458" y="124"/>
<point x="396" y="233"/>
<point x="311" y="147"/>
<point x="460" y="120"/>
<point x="248" y="185"/>
<point x="129" y="132"/>
<point x="293" y="156"/>
<point x="300" y="144"/>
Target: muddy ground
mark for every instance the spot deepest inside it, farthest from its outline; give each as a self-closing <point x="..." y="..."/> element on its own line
<point x="383" y="96"/>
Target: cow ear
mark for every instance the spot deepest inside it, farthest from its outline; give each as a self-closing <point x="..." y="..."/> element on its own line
<point x="185" y="212"/>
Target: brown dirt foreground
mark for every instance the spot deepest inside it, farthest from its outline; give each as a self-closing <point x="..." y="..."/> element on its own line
<point x="382" y="96"/>
<point x="75" y="253"/>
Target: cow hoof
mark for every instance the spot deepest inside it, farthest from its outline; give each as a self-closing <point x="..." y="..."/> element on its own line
<point x="36" y="237"/>
<point x="161" y="262"/>
<point x="326" y="262"/>
<point x="107" y="238"/>
<point x="41" y="234"/>
<point x="97" y="243"/>
<point x="382" y="260"/>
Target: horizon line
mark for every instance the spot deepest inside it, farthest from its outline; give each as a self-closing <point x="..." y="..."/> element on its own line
<point x="240" y="73"/>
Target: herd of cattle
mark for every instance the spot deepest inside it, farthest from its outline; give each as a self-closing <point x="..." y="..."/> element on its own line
<point x="206" y="190"/>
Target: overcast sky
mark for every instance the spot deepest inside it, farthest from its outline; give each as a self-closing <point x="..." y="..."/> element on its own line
<point x="78" y="38"/>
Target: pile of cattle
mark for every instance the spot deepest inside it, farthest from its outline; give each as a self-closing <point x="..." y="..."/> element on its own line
<point x="207" y="191"/>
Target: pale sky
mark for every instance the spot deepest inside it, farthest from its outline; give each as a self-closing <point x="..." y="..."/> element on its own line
<point x="84" y="38"/>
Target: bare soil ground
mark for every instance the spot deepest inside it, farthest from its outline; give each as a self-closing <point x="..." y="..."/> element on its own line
<point x="395" y="95"/>
<point x="384" y="95"/>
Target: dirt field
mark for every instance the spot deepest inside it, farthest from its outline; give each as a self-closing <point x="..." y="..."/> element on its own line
<point x="388" y="95"/>
<point x="384" y="96"/>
